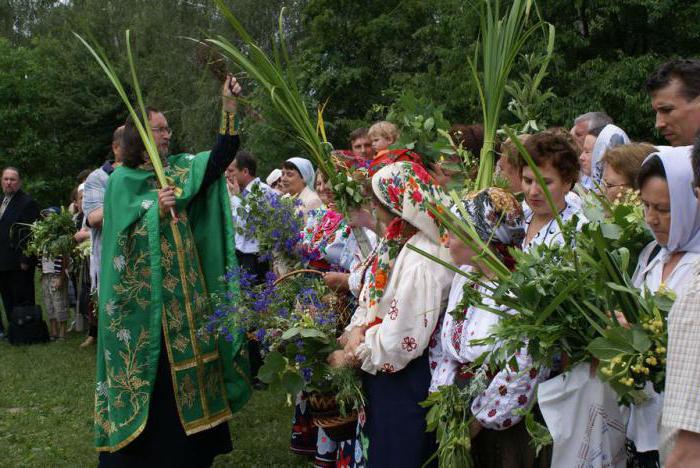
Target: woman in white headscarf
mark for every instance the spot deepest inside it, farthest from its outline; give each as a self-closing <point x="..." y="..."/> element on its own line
<point x="297" y="180"/>
<point x="672" y="214"/>
<point x="610" y="137"/>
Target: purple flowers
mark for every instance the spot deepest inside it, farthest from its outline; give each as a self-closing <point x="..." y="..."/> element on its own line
<point x="274" y="221"/>
<point x="307" y="373"/>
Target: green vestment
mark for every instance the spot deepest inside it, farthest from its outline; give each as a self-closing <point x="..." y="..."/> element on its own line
<point x="156" y="276"/>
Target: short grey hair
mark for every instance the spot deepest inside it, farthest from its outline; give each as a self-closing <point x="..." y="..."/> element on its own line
<point x="594" y="119"/>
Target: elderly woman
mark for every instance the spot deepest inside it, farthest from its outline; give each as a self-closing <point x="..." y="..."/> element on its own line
<point x="621" y="167"/>
<point x="671" y="212"/>
<point x="298" y="181"/>
<point x="597" y="142"/>
<point x="399" y="306"/>
<point x="500" y="439"/>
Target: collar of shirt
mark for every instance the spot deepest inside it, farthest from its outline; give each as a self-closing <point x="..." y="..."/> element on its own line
<point x="108" y="167"/>
<point x="249" y="187"/>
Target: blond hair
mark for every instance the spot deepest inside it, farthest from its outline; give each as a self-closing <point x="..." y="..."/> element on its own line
<point x="627" y="160"/>
<point x="384" y="129"/>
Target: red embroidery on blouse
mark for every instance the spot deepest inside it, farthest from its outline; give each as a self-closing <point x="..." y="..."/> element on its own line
<point x="409" y="344"/>
<point x="393" y="310"/>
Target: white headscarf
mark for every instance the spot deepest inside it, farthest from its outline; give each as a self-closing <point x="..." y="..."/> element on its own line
<point x="684" y="234"/>
<point x="273" y="177"/>
<point x="610" y="137"/>
<point x="306" y="169"/>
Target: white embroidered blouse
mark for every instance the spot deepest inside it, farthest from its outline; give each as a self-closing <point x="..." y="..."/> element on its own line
<point x="414" y="297"/>
<point x="509" y="390"/>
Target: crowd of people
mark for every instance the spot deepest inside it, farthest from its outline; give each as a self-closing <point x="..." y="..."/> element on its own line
<point x="154" y="253"/>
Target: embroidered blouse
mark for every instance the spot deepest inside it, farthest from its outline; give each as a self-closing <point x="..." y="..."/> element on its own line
<point x="509" y="390"/>
<point x="409" y="309"/>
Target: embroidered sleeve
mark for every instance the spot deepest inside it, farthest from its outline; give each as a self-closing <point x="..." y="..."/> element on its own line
<point x="510" y="390"/>
<point x="405" y="330"/>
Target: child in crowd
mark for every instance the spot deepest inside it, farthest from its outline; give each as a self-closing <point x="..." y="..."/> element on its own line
<point x="382" y="134"/>
<point x="54" y="287"/>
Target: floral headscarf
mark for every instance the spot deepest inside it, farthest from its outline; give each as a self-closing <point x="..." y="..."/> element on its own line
<point x="393" y="156"/>
<point x="497" y="218"/>
<point x="407" y="190"/>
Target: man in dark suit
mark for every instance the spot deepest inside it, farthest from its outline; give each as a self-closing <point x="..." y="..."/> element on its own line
<point x="16" y="270"/>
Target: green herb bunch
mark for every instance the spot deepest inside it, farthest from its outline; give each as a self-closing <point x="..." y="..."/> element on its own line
<point x="633" y="354"/>
<point x="52" y="236"/>
<point x="575" y="301"/>
<point x="422" y="126"/>
<point x="449" y="416"/>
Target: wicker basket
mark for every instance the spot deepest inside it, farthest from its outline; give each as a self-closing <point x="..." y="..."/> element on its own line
<point x="337" y="302"/>
<point x="326" y="415"/>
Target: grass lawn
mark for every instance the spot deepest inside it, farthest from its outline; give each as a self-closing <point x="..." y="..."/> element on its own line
<point x="46" y="404"/>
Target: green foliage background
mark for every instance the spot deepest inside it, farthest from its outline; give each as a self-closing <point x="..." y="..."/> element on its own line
<point x="57" y="110"/>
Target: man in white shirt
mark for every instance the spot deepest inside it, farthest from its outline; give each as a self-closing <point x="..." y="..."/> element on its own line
<point x="241" y="173"/>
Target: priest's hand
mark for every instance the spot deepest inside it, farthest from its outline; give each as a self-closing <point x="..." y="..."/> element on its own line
<point x="166" y="200"/>
<point x="229" y="92"/>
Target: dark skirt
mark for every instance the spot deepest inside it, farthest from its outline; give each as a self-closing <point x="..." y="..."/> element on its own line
<point x="395" y="422"/>
<point x="163" y="442"/>
<point x="509" y="448"/>
<point x="637" y="459"/>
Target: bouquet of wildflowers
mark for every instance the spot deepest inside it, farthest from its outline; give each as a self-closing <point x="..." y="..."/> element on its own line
<point x="300" y="336"/>
<point x="296" y="321"/>
<point x="247" y="312"/>
<point x="274" y="221"/>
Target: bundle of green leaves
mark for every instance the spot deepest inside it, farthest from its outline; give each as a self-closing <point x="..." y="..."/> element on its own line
<point x="575" y="301"/>
<point x="420" y="124"/>
<point x="632" y="354"/>
<point x="52" y="236"/>
<point x="449" y="416"/>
